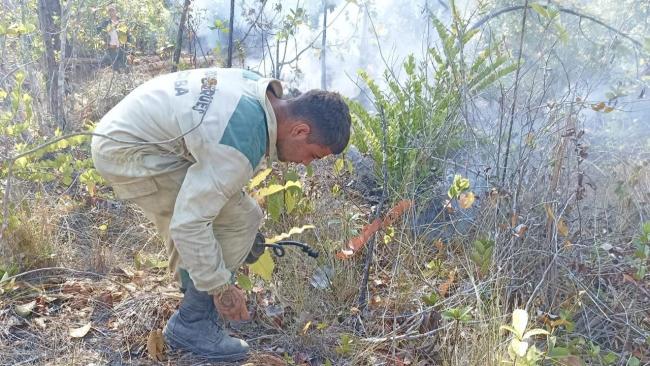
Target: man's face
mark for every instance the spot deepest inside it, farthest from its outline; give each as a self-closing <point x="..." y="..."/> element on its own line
<point x="297" y="148"/>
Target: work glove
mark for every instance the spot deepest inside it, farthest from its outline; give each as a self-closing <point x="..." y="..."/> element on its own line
<point x="257" y="250"/>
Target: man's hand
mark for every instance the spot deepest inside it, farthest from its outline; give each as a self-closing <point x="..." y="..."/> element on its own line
<point x="231" y="303"/>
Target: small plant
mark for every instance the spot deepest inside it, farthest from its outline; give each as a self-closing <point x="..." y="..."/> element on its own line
<point x="642" y="253"/>
<point x="519" y="350"/>
<point x="459" y="316"/>
<point x="424" y="105"/>
<point x="482" y="255"/>
<point x="280" y="199"/>
<point x="458" y="186"/>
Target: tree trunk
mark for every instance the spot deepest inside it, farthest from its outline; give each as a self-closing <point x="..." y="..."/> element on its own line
<point x="62" y="64"/>
<point x="323" y="52"/>
<point x="47" y="11"/>
<point x="231" y="26"/>
<point x="179" y="36"/>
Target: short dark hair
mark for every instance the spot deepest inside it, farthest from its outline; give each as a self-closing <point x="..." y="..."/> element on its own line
<point x="328" y="116"/>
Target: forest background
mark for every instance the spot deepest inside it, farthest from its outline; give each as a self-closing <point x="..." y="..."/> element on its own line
<point x="493" y="206"/>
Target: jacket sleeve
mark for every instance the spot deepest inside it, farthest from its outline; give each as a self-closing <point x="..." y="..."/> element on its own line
<point x="218" y="173"/>
<point x="102" y="26"/>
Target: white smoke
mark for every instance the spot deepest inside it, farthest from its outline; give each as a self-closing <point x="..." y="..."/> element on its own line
<point x="355" y="32"/>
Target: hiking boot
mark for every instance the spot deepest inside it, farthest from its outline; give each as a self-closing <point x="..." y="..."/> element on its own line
<point x="195" y="328"/>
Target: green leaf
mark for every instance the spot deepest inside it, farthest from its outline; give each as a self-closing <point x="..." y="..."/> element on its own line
<point x="290" y="200"/>
<point x="610" y="358"/>
<point x="275" y="205"/>
<point x="519" y="322"/>
<point x="20" y="77"/>
<point x="264" y="266"/>
<point x="633" y="361"/>
<point x="469" y="35"/>
<point x="534" y="332"/>
<point x="22" y="162"/>
<point x="346" y="345"/>
<point x="62" y="144"/>
<point x="519" y="347"/>
<point x="275" y="188"/>
<point x="244" y="282"/>
<point x="559" y="352"/>
<point x="431" y="299"/>
<point x="259" y="178"/>
<point x="509" y="328"/>
<point x="561" y="32"/>
<point x="540" y="10"/>
<point x="339" y="165"/>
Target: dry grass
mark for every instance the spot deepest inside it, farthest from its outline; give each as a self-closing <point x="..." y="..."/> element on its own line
<point x="580" y="278"/>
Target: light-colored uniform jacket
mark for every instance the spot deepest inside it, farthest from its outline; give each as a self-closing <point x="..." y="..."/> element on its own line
<point x="191" y="187"/>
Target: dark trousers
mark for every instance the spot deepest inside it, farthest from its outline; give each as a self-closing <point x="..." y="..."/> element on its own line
<point x="115" y="57"/>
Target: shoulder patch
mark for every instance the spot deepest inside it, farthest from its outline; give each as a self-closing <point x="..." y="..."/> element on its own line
<point x="246" y="130"/>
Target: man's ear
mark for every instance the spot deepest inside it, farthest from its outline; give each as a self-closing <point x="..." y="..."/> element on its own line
<point x="301" y="129"/>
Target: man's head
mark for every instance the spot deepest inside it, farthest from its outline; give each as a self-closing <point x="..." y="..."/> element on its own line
<point x="111" y="10"/>
<point x="314" y="125"/>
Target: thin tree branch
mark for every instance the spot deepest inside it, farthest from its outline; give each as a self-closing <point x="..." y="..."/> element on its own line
<point x="179" y="36"/>
<point x="495" y="14"/>
<point x="363" y="296"/>
<point x="514" y="101"/>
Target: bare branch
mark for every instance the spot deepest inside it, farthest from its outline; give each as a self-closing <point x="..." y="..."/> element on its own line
<point x="509" y="9"/>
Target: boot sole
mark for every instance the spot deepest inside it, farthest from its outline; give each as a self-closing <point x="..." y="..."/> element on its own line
<point x="182" y="346"/>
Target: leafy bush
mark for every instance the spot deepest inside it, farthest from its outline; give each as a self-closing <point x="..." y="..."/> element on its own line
<point x="422" y="112"/>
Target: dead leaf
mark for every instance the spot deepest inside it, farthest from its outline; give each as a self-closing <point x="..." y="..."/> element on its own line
<point x="559" y="322"/>
<point x="106" y="298"/>
<point x="514" y="219"/>
<point x="25" y="309"/>
<point x="376" y="301"/>
<point x="306" y="327"/>
<point x="440" y="245"/>
<point x="40" y="322"/>
<point x="276" y="314"/>
<point x="156" y="345"/>
<point x="344" y="254"/>
<point x="466" y="200"/>
<point x="598" y="107"/>
<point x="549" y="212"/>
<point x="628" y="278"/>
<point x="520" y="230"/>
<point x="266" y="359"/>
<point x="562" y="228"/>
<point x="444" y="287"/>
<point x="80" y="332"/>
